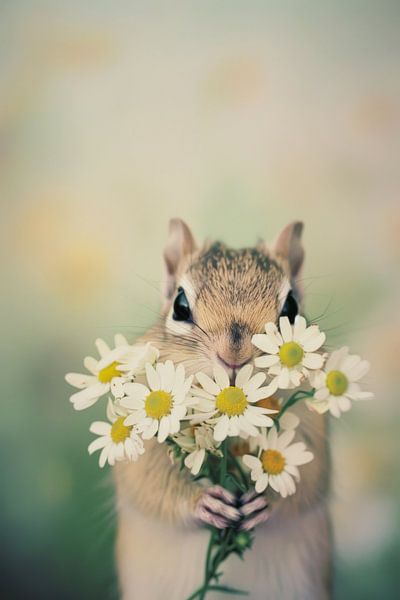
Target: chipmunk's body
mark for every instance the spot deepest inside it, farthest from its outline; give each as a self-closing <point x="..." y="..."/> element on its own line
<point x="160" y="547"/>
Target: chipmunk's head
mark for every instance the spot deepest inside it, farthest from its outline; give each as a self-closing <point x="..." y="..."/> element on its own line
<point x="217" y="298"/>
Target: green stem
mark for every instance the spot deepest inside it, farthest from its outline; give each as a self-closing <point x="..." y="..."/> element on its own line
<point x="224" y="462"/>
<point x="209" y="550"/>
<point x="292" y="400"/>
<point x="243" y="475"/>
<point x="222" y="541"/>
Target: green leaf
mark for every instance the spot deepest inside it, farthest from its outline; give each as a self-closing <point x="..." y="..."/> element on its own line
<point x="227" y="590"/>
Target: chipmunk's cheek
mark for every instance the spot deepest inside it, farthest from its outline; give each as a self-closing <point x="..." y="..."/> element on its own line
<point x="178" y="328"/>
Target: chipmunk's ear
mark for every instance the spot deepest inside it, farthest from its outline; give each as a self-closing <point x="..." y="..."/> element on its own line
<point x="288" y="246"/>
<point x="180" y="245"/>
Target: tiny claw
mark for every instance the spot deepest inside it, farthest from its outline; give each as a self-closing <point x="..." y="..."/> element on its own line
<point x="255" y="504"/>
<point x="256" y="519"/>
<point x="217" y="491"/>
<point x="220" y="508"/>
<point x="248" y="496"/>
<point x="217" y="507"/>
<point x="206" y="517"/>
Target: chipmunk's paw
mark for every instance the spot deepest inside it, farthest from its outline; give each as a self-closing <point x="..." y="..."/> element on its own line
<point x="217" y="507"/>
<point x="254" y="510"/>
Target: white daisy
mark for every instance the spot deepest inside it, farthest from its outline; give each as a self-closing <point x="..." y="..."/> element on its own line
<point x="162" y="404"/>
<point x="196" y="441"/>
<point x="277" y="462"/>
<point x="133" y="364"/>
<point x="337" y="385"/>
<point x="231" y="408"/>
<point x="107" y="372"/>
<point x="287" y="421"/>
<point x="117" y="441"/>
<point x="290" y="352"/>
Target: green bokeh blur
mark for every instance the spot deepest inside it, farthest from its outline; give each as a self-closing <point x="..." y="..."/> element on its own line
<point x="237" y="117"/>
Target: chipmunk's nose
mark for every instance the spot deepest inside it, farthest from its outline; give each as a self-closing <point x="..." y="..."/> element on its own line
<point x="234" y="348"/>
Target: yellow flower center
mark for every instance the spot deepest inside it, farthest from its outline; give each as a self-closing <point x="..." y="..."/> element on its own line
<point x="106" y="374"/>
<point x="231" y="401"/>
<point x="337" y="383"/>
<point x="291" y="354"/>
<point x="273" y="462"/>
<point x="119" y="431"/>
<point x="158" y="404"/>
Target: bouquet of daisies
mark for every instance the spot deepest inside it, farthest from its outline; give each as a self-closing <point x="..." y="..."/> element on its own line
<point x="205" y="422"/>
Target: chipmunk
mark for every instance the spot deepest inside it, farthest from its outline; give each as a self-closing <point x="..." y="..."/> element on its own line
<point x="214" y="300"/>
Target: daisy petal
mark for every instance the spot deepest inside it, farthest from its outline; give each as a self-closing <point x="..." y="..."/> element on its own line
<point x="321" y="394"/>
<point x="221" y="429"/>
<point x="150" y="431"/>
<point x="89" y="396"/>
<point x="344" y="403"/>
<point x="254" y="383"/>
<point x="90" y="364"/>
<point x="221" y="377"/>
<point x="153" y="377"/>
<point x="359" y="371"/>
<point x="103" y="456"/>
<point x="120" y="340"/>
<point x="289" y="421"/>
<point x="100" y="428"/>
<point x="261" y="483"/>
<point x="263" y="392"/>
<point x="102" y="347"/>
<point x="274" y="483"/>
<point x="283" y="379"/>
<point x="265" y="343"/>
<point x="80" y="380"/>
<point x="98" y="444"/>
<point x="208" y="384"/>
<point x="198" y="460"/>
<point x="163" y="430"/>
<point x="263" y="362"/>
<point x="285" y="439"/>
<point x="300" y="325"/>
<point x="313" y="361"/>
<point x="286" y="329"/>
<point x="315" y="342"/>
<point x="293" y="471"/>
<point x="168" y="376"/>
<point x="251" y="461"/>
<point x="335" y="359"/>
<point x="243" y="375"/>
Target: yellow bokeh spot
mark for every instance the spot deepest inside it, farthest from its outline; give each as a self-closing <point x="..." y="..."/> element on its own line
<point x="106" y="374"/>
<point x="158" y="404"/>
<point x="119" y="431"/>
<point x="231" y="401"/>
<point x="337" y="383"/>
<point x="273" y="462"/>
<point x="291" y="354"/>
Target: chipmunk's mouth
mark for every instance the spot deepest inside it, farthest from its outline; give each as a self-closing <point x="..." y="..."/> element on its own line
<point x="232" y="368"/>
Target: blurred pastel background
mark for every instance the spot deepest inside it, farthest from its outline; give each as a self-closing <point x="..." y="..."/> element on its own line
<point x="237" y="117"/>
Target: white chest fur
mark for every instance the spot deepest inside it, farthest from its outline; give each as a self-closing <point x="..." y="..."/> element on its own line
<point x="288" y="560"/>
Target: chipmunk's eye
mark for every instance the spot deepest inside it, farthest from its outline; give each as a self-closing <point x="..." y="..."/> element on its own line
<point x="182" y="310"/>
<point x="290" y="309"/>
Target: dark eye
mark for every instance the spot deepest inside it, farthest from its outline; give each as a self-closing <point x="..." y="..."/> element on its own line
<point x="290" y="309"/>
<point x="182" y="310"/>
